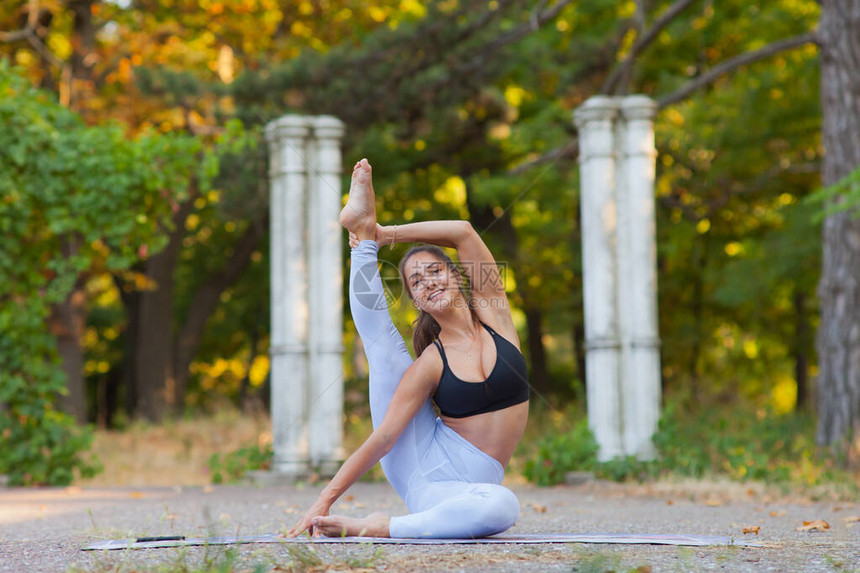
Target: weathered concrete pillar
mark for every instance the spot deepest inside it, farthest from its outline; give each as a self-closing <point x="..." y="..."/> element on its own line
<point x="326" y="296"/>
<point x="289" y="289"/>
<point x="641" y="385"/>
<point x="619" y="273"/>
<point x="595" y="120"/>
<point x="306" y="296"/>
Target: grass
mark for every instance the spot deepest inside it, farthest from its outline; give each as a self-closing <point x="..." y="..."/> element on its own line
<point x="228" y="559"/>
<point x="174" y="453"/>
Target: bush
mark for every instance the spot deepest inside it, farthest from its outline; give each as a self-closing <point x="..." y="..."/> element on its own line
<point x="74" y="201"/>
<point x="572" y="451"/>
<point x="231" y="468"/>
<point x="740" y="443"/>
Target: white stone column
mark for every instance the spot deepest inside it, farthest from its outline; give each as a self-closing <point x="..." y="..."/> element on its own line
<point x="326" y="296"/>
<point x="289" y="294"/>
<point x="617" y="159"/>
<point x="595" y="120"/>
<point x="641" y="387"/>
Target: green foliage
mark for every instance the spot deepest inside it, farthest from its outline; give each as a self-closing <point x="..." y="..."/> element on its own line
<point x="232" y="466"/>
<point x="561" y="453"/>
<point x="739" y="443"/>
<point x="74" y="200"/>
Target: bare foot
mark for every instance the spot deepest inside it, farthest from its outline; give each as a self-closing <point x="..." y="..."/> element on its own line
<point x="374" y="525"/>
<point x="359" y="214"/>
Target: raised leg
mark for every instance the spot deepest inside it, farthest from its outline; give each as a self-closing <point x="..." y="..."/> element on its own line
<point x="387" y="358"/>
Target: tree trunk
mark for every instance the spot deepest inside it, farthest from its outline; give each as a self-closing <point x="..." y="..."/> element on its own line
<point x="83" y="41"/>
<point x="154" y="329"/>
<point x="131" y="305"/>
<point x="538" y="374"/>
<point x="68" y="322"/>
<point x="838" y="384"/>
<point x="153" y="356"/>
<point x="802" y="339"/>
<point x="698" y="304"/>
<point x="205" y="302"/>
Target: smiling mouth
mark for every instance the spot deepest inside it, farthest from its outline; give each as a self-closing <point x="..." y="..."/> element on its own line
<point x="434" y="296"/>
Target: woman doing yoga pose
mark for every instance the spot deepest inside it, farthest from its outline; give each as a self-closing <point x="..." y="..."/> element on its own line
<point x="448" y="470"/>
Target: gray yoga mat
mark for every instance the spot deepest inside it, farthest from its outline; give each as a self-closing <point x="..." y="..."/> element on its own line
<point x="522" y="538"/>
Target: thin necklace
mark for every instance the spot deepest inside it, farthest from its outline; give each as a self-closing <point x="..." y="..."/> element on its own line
<point x="468" y="351"/>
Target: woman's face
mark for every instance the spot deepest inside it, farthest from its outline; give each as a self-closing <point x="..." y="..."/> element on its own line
<point x="433" y="285"/>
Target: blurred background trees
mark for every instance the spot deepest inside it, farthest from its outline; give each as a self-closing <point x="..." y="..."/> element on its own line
<point x="464" y="107"/>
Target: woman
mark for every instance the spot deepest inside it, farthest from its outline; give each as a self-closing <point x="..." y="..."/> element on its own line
<point x="446" y="469"/>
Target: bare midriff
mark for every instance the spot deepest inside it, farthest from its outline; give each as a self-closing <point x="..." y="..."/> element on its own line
<point x="494" y="433"/>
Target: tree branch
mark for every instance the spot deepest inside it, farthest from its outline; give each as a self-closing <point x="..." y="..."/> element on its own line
<point x="568" y="151"/>
<point x="733" y="63"/>
<point x="29" y="34"/>
<point x="571" y="150"/>
<point x="535" y="22"/>
<point x="15" y="36"/>
<point x="641" y="43"/>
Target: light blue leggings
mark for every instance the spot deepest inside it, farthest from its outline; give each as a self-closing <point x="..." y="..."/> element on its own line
<point x="450" y="486"/>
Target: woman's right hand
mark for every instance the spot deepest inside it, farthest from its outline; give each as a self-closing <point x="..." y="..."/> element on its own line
<point x="383" y="237"/>
<point x="306" y="523"/>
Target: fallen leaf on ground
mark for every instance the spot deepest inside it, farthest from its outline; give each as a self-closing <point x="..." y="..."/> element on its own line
<point x="818" y="524"/>
<point x="851" y="520"/>
<point x="669" y="502"/>
<point x="349" y="498"/>
<point x="539" y="508"/>
<point x="751" y="529"/>
<point x="713" y="502"/>
<point x="137" y="495"/>
<point x="777" y="513"/>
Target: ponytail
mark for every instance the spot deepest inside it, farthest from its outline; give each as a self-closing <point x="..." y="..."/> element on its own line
<point x="425" y="329"/>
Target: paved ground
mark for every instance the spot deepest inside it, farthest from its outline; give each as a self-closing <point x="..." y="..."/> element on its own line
<point x="43" y="530"/>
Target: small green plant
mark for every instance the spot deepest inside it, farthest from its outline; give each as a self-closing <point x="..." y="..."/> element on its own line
<point x="562" y="453"/>
<point x="232" y="466"/>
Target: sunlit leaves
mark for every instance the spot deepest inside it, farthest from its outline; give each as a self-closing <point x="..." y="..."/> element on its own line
<point x="77" y="200"/>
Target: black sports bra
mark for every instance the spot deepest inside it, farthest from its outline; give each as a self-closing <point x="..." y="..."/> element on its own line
<point x="506" y="385"/>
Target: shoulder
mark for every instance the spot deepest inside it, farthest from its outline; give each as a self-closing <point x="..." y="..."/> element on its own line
<point x="503" y="324"/>
<point x="427" y="368"/>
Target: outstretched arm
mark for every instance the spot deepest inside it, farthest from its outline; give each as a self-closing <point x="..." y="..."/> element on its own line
<point x="415" y="388"/>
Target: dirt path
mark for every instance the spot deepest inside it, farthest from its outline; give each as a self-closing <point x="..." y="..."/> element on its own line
<point x="43" y="530"/>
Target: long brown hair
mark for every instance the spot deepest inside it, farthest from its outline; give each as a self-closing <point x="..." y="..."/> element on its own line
<point x="425" y="328"/>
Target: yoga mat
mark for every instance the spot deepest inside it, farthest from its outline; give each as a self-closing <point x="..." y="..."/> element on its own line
<point x="522" y="538"/>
